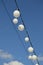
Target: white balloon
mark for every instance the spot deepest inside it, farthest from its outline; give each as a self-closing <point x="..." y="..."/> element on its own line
<point x="30" y="57"/>
<point x="16" y="13"/>
<point x="26" y="39"/>
<point x="15" y="20"/>
<point x="30" y="49"/>
<point x="21" y="27"/>
<point x="36" y="64"/>
<point x="34" y="57"/>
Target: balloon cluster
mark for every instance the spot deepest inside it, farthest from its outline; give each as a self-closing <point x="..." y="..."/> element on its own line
<point x="21" y="27"/>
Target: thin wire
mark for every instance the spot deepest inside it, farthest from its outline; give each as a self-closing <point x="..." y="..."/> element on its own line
<point x="23" y="23"/>
<point x="14" y="26"/>
<point x="25" y="28"/>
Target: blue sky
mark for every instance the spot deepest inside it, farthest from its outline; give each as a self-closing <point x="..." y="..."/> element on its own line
<point x="32" y="13"/>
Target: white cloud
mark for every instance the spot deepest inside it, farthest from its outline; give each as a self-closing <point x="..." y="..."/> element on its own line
<point x="40" y="58"/>
<point x="5" y="55"/>
<point x="13" y="63"/>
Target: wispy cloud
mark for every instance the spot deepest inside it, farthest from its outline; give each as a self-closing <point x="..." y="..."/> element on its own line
<point x="40" y="58"/>
<point x="5" y="55"/>
<point x="13" y="63"/>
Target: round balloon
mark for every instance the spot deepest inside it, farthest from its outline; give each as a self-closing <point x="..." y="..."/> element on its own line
<point x="16" y="13"/>
<point x="30" y="49"/>
<point x="21" y="27"/>
<point x="15" y="20"/>
<point x="26" y="39"/>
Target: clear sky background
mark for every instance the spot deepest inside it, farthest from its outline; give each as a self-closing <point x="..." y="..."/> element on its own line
<point x="32" y="13"/>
